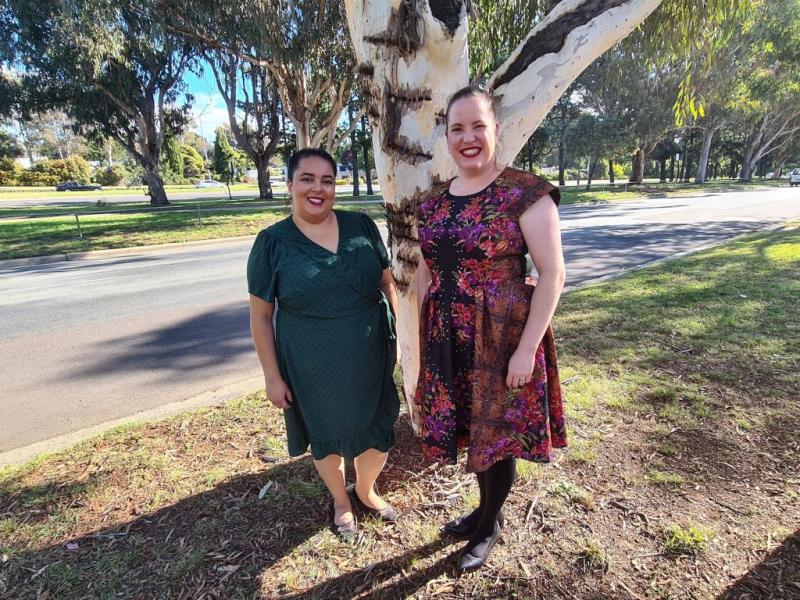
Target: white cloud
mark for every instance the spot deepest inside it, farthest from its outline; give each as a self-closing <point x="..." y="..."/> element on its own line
<point x="208" y="113"/>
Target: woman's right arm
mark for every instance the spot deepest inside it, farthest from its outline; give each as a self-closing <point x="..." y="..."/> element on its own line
<point x="264" y="339"/>
<point x="423" y="278"/>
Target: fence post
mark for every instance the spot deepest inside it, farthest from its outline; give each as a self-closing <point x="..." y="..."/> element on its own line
<point x="78" y="223"/>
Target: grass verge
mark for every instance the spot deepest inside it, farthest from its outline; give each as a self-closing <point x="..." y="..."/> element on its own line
<point x="59" y="235"/>
<point x="678" y="503"/>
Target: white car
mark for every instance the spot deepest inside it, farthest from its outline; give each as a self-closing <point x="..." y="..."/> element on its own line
<point x="209" y="183"/>
<point x="794" y="178"/>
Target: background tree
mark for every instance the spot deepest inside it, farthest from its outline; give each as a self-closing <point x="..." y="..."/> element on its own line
<point x="252" y="100"/>
<point x="770" y="93"/>
<point x="537" y="147"/>
<point x="112" y="67"/>
<point x="557" y="123"/>
<point x="193" y="165"/>
<point x="172" y="160"/>
<point x="9" y="147"/>
<point x="303" y="44"/>
<point x="224" y="155"/>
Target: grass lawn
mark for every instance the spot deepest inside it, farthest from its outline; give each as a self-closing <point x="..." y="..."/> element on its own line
<point x="682" y="479"/>
<point x="619" y="192"/>
<point x="59" y="235"/>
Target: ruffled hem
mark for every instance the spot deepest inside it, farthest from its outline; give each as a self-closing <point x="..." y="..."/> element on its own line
<point x="351" y="447"/>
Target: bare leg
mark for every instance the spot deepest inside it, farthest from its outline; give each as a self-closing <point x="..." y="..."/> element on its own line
<point x="331" y="471"/>
<point x="368" y="466"/>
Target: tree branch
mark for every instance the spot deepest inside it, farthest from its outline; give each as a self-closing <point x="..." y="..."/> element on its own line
<point x="551" y="57"/>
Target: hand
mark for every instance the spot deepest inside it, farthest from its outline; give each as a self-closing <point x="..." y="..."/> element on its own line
<point x="279" y="393"/>
<point x="520" y="368"/>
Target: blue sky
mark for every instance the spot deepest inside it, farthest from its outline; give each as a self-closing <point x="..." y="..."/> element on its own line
<point x="208" y="101"/>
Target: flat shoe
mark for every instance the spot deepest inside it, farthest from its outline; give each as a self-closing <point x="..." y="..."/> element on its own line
<point x="469" y="561"/>
<point x="346" y="532"/>
<point x="387" y="514"/>
<point x="459" y="528"/>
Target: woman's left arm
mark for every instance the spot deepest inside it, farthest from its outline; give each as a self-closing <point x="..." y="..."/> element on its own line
<point x="389" y="290"/>
<point x="542" y="232"/>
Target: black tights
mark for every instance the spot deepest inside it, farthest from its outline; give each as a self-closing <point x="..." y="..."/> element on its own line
<point x="494" y="485"/>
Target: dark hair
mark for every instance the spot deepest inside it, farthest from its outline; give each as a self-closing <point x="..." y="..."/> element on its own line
<point x="294" y="160"/>
<point x="473" y="89"/>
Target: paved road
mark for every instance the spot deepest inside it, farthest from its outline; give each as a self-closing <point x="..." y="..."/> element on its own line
<point x="87" y="342"/>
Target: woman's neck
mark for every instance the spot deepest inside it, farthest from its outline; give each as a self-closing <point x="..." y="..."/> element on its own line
<point x="469" y="183"/>
<point x="325" y="222"/>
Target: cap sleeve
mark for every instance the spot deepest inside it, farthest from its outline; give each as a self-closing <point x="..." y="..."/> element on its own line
<point x="377" y="241"/>
<point x="261" y="268"/>
<point x="533" y="189"/>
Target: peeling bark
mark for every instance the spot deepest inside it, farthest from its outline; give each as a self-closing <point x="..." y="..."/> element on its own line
<point x="552" y="39"/>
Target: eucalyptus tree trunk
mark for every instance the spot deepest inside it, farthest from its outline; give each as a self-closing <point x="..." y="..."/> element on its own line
<point x="354" y="152"/>
<point x="637" y="167"/>
<point x="158" y="196"/>
<point x="412" y="55"/>
<point x="365" y="150"/>
<point x="708" y="137"/>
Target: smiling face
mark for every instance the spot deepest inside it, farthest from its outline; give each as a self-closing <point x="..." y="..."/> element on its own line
<point x="472" y="135"/>
<point x="313" y="189"/>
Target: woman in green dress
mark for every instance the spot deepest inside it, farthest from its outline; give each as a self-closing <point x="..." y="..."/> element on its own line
<point x="329" y="355"/>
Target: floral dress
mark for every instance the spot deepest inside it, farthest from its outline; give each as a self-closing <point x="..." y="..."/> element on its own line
<point x="472" y="320"/>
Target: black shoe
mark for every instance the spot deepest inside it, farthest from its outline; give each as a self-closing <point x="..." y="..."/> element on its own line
<point x="470" y="560"/>
<point x="463" y="528"/>
<point x="387" y="514"/>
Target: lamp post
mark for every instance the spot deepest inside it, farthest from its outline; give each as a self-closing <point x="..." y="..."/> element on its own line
<point x="202" y="135"/>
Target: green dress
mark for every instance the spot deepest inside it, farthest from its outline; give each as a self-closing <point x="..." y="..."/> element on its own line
<point x="334" y="335"/>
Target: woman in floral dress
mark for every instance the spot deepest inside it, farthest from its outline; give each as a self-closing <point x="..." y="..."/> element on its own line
<point x="488" y="379"/>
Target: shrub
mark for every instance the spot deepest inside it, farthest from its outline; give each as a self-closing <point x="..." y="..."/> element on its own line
<point x="32" y="177"/>
<point x="53" y="172"/>
<point x="193" y="165"/>
<point x="9" y="171"/>
<point x="114" y="175"/>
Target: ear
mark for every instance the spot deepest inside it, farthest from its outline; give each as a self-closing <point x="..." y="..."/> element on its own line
<point x="289" y="186"/>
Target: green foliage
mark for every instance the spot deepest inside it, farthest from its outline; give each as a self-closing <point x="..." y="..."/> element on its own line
<point x="499" y="26"/>
<point x="225" y="156"/>
<point x="53" y="172"/>
<point x="9" y="171"/>
<point x="114" y="175"/>
<point x="693" y="33"/>
<point x="171" y="163"/>
<point x="193" y="165"/>
<point x="112" y="67"/>
<point x="688" y="540"/>
<point x="9" y="147"/>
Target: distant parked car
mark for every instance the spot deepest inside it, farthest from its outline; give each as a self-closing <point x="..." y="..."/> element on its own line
<point x="209" y="183"/>
<point x="794" y="178"/>
<point x="77" y="186"/>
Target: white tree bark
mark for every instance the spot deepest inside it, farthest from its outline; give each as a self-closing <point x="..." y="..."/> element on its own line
<point x="712" y="125"/>
<point x="412" y="55"/>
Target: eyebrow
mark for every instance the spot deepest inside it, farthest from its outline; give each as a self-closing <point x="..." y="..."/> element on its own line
<point x="304" y="173"/>
<point x="476" y="122"/>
